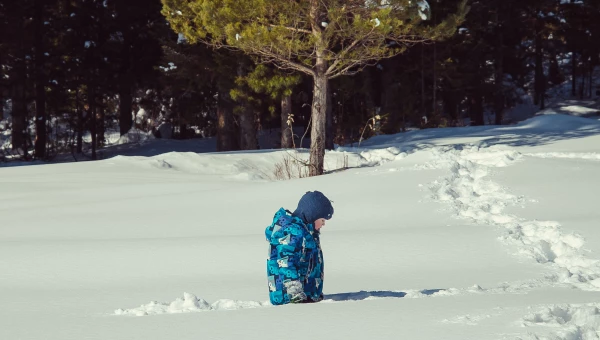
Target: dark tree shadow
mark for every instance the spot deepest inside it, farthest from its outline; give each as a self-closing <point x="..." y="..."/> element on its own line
<point x="363" y="295"/>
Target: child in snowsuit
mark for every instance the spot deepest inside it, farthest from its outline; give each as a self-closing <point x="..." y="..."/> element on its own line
<point x="295" y="266"/>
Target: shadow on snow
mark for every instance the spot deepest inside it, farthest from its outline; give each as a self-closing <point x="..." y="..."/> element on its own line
<point x="363" y="295"/>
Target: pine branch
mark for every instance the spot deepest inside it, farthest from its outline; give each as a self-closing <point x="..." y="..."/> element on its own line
<point x="293" y="29"/>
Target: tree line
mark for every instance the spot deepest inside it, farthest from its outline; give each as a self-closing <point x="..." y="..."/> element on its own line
<point x="71" y="70"/>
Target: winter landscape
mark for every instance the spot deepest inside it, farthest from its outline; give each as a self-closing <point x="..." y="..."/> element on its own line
<point x="145" y="146"/>
<point x="466" y="233"/>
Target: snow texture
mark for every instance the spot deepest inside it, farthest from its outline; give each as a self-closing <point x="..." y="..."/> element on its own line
<point x="473" y="196"/>
<point x="569" y="322"/>
<point x="424" y="9"/>
<point x="188" y="304"/>
<point x="484" y="233"/>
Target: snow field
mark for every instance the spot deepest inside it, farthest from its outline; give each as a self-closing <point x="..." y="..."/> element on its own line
<point x="413" y="251"/>
<point x="475" y="197"/>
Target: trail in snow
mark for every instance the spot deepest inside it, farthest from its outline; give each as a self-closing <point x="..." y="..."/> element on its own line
<point x="190" y="303"/>
<point x="566" y="322"/>
<point x="370" y="157"/>
<point x="473" y="196"/>
<point x="473" y="319"/>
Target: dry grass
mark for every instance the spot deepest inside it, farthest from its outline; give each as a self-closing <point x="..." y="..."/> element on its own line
<point x="291" y="167"/>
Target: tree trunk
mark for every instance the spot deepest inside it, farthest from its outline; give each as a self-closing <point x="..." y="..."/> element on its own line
<point x="287" y="137"/>
<point x="125" y="108"/>
<point x="477" y="108"/>
<point x="248" y="140"/>
<point x="19" y="116"/>
<point x="554" y="71"/>
<point x="19" y="107"/>
<point x="538" y="98"/>
<point x="126" y="86"/>
<point x="318" y="134"/>
<point x="319" y="123"/>
<point x="340" y="128"/>
<point x="543" y="96"/>
<point x="499" y="73"/>
<point x="450" y="102"/>
<point x="583" y="76"/>
<point x="226" y="140"/>
<point x="591" y="80"/>
<point x="101" y="140"/>
<point x="574" y="74"/>
<point x="422" y="82"/>
<point x="329" y="144"/>
<point x="79" y="122"/>
<point x="434" y="107"/>
<point x="40" y="93"/>
<point x="92" y="117"/>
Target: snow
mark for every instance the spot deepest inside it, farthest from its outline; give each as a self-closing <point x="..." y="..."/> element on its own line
<point x="134" y="136"/>
<point x="181" y="38"/>
<point x="189" y="304"/>
<point x="574" y="110"/>
<point x="461" y="233"/>
<point x="424" y="9"/>
<point x="475" y="197"/>
<point x="572" y="321"/>
<point x="141" y="116"/>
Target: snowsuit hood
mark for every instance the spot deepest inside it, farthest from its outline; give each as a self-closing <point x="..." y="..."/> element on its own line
<point x="313" y="206"/>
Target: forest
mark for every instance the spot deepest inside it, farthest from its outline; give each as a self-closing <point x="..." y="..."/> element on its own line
<point x="332" y="72"/>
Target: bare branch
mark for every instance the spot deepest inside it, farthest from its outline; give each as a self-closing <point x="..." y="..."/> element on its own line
<point x="280" y="60"/>
<point x="293" y="29"/>
<point x="354" y="66"/>
<point x="345" y="51"/>
<point x="358" y="67"/>
<point x="264" y="53"/>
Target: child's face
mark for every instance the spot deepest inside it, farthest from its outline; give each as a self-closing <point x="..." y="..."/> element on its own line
<point x="320" y="223"/>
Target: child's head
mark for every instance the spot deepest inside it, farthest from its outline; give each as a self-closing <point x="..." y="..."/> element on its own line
<point x="315" y="208"/>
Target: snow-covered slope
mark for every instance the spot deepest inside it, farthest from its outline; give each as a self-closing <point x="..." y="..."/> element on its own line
<point x="468" y="233"/>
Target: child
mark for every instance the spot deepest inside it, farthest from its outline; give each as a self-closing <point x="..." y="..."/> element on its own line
<point x="295" y="265"/>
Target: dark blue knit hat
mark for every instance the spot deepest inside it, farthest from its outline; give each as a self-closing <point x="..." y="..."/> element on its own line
<point x="313" y="206"/>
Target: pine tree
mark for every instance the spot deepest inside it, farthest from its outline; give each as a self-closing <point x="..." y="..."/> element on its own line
<point x="16" y="42"/>
<point x="278" y="85"/>
<point x="136" y="24"/>
<point x="324" y="39"/>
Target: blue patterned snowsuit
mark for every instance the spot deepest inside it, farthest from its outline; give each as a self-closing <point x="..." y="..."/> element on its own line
<point x="295" y="265"/>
